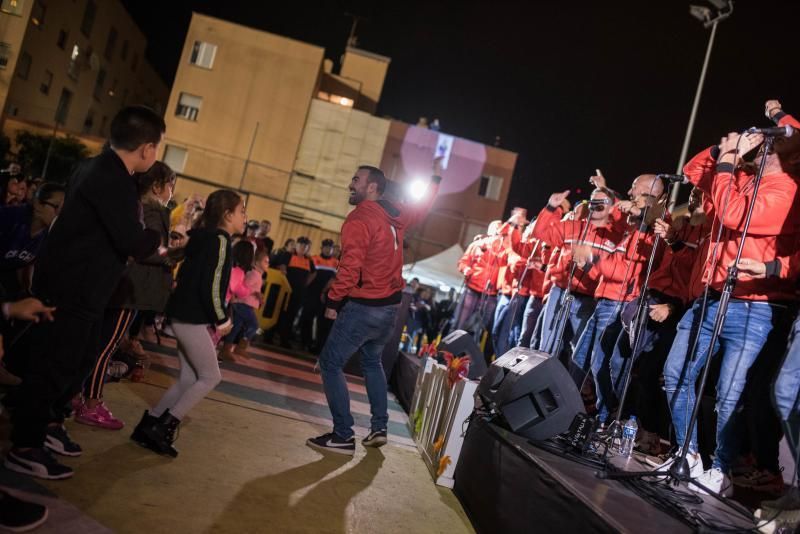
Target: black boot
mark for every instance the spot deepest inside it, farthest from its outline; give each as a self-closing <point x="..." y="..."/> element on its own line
<point x="138" y="433"/>
<point x="162" y="434"/>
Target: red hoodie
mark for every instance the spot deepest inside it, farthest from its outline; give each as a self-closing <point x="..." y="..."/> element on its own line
<point x="557" y="233"/>
<point x="673" y="277"/>
<point x="370" y="270"/>
<point x="534" y="277"/>
<point x="480" y="264"/>
<point x="773" y="228"/>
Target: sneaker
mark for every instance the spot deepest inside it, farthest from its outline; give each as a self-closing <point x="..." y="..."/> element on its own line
<point x="761" y="480"/>
<point x="695" y="464"/>
<point x="332" y="443"/>
<point x="99" y="416"/>
<point x="715" y="480"/>
<point x="376" y="438"/>
<point x="37" y="463"/>
<point x="17" y="515"/>
<point x="771" y="521"/>
<point x="58" y="441"/>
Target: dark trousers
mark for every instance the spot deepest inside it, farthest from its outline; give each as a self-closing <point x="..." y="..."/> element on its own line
<point x="143" y="318"/>
<point x="115" y="324"/>
<point x="288" y="316"/>
<point x="61" y="355"/>
<point x="312" y="309"/>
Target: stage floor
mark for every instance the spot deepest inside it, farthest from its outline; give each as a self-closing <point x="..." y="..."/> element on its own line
<point x="508" y="485"/>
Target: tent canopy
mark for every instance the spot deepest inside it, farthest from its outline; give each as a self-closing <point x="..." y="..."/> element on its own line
<point x="439" y="271"/>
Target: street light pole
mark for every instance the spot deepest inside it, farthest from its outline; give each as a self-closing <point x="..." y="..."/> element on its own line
<point x="696" y="104"/>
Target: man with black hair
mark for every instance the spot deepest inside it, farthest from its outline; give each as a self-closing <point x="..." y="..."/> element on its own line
<point x="313" y="306"/>
<point x="98" y="229"/>
<point x="363" y="300"/>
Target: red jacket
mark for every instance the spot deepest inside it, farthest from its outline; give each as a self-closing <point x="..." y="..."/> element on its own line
<point x="623" y="271"/>
<point x="370" y="270"/>
<point x="782" y="119"/>
<point x="673" y="277"/>
<point x="480" y="264"/>
<point x="508" y="258"/>
<point x="534" y="277"/>
<point x="773" y="228"/>
<point x="557" y="233"/>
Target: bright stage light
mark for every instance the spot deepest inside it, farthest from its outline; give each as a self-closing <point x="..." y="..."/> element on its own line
<point x="444" y="288"/>
<point x="417" y="188"/>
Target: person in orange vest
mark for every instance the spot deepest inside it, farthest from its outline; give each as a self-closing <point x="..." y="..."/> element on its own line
<point x="299" y="273"/>
<point x="326" y="265"/>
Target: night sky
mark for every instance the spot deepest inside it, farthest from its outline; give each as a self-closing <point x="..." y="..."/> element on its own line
<point x="570" y="87"/>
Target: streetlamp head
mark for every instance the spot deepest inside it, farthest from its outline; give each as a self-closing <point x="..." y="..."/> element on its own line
<point x="701" y="13"/>
<point x="720" y="4"/>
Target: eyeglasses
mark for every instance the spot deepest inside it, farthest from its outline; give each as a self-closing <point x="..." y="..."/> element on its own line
<point x="55" y="207"/>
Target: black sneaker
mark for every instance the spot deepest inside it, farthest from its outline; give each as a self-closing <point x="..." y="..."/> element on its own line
<point x="17" y="515"/>
<point x="58" y="441"/>
<point x="333" y="443"/>
<point x="37" y="463"/>
<point x="376" y="438"/>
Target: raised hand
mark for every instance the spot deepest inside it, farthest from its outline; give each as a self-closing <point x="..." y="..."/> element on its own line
<point x="556" y="199"/>
<point x="598" y="180"/>
<point x="771" y="108"/>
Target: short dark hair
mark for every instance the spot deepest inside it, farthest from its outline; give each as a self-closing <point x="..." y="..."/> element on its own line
<point x="135" y="126"/>
<point x="159" y="175"/>
<point x="375" y="176"/>
<point x="47" y="190"/>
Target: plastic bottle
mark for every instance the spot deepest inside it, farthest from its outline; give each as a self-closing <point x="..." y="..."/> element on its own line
<point x="628" y="437"/>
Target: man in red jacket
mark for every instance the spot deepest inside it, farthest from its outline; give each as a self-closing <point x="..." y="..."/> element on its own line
<point x="756" y="304"/>
<point x="480" y="266"/>
<point x="363" y="300"/>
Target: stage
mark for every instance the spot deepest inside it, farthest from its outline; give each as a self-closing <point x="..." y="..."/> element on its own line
<point x="507" y="485"/>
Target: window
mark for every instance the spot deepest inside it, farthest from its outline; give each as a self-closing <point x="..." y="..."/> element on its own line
<point x="203" y="54"/>
<point x="24" y="65"/>
<point x="12" y="7"/>
<point x="98" y="84"/>
<point x="37" y="14"/>
<point x="5" y="54"/>
<point x="62" y="39"/>
<point x="62" y="110"/>
<point x="88" y="122"/>
<point x="74" y="69"/>
<point x="490" y="187"/>
<point x="188" y="106"/>
<point x="103" y="125"/>
<point x="175" y="157"/>
<point x="124" y="52"/>
<point x="47" y="81"/>
<point x="134" y="62"/>
<point x="111" y="43"/>
<point x="88" y="18"/>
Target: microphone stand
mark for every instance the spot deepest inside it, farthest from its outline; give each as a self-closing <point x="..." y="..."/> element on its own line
<point x="679" y="470"/>
<point x="567" y="298"/>
<point x="513" y="305"/>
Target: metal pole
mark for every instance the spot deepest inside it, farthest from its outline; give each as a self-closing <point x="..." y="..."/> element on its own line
<point x="674" y="195"/>
<point x="49" y="151"/>
<point x="249" y="155"/>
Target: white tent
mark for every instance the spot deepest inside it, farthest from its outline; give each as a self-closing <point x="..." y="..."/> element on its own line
<point x="439" y="271"/>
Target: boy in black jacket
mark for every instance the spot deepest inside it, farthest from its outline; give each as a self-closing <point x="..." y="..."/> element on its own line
<point x="98" y="229"/>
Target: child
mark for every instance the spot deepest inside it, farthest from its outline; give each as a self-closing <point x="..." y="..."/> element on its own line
<point x="245" y="294"/>
<point x="196" y="306"/>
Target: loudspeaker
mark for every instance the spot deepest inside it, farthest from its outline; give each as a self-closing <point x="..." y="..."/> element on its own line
<point x="532" y="393"/>
<point x="460" y="343"/>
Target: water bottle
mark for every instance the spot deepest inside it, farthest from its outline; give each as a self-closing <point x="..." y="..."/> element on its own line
<point x="628" y="437"/>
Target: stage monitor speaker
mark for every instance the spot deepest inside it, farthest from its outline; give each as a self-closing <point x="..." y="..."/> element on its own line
<point x="532" y="392"/>
<point x="460" y="343"/>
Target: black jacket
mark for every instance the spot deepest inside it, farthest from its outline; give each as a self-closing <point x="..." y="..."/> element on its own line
<point x="98" y="229"/>
<point x="199" y="297"/>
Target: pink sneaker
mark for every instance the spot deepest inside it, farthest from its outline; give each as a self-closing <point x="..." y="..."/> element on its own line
<point x="99" y="416"/>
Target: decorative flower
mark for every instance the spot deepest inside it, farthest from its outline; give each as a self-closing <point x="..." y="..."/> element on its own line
<point x="457" y="368"/>
<point x="437" y="446"/>
<point x="443" y="463"/>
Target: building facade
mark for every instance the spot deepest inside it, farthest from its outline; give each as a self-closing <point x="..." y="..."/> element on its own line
<point x="76" y="64"/>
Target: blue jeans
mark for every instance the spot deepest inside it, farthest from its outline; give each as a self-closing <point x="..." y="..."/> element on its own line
<point x="366" y="330"/>
<point x="472" y="303"/>
<point x="245" y="323"/>
<point x="577" y="317"/>
<point x="530" y="317"/>
<point x="747" y="325"/>
<point x="507" y="322"/>
<point x="787" y="392"/>
<point x="596" y="344"/>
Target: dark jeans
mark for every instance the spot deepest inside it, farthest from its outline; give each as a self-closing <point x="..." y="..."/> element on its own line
<point x="507" y="322"/>
<point x="245" y="323"/>
<point x="364" y="330"/>
<point x="312" y="309"/>
<point x="577" y="317"/>
<point x="787" y="393"/>
<point x="474" y="303"/>
<point x="286" y="320"/>
<point x="530" y="317"/>
<point x="61" y="354"/>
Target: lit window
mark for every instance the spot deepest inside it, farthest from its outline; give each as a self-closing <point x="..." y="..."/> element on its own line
<point x="175" y="157"/>
<point x="12" y="7"/>
<point x="188" y="106"/>
<point x="74" y="69"/>
<point x="490" y="187"/>
<point x="203" y="54"/>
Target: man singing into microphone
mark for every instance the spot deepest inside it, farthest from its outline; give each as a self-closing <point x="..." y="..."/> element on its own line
<point x="756" y="304"/>
<point x="363" y="300"/>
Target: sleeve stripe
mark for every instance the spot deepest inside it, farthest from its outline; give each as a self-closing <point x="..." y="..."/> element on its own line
<point x="215" y="292"/>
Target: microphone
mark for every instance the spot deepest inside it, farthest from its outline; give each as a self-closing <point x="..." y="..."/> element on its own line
<point x="778" y="131"/>
<point x="673" y="178"/>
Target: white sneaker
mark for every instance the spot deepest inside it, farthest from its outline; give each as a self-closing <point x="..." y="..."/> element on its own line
<point x="715" y="480"/>
<point x="695" y="464"/>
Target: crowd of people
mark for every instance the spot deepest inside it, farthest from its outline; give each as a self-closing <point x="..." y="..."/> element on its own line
<point x="519" y="274"/>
